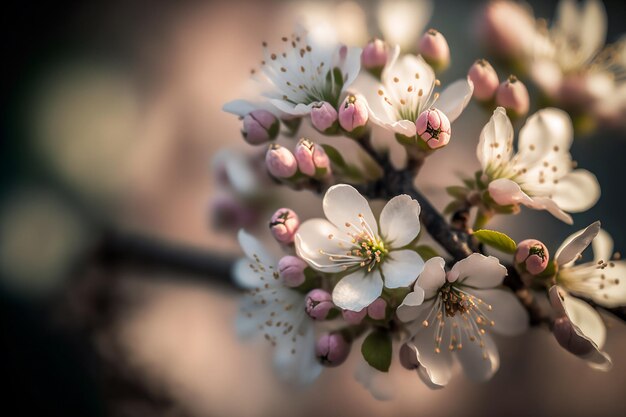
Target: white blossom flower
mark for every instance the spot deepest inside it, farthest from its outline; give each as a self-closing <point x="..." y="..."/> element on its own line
<point x="602" y="280"/>
<point x="308" y="71"/>
<point x="403" y="21"/>
<point x="570" y="61"/>
<point x="277" y="312"/>
<point x="452" y="314"/>
<point x="540" y="175"/>
<point x="406" y="90"/>
<point x="352" y="242"/>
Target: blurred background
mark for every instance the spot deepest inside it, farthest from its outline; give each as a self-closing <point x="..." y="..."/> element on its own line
<point x="114" y="238"/>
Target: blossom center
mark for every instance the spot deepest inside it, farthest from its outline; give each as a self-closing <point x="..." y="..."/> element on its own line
<point x="370" y="249"/>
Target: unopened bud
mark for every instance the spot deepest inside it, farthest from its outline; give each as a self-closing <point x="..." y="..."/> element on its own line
<point x="433" y="46"/>
<point x="354" y="317"/>
<point x="485" y="80"/>
<point x="291" y="270"/>
<point x="533" y="254"/>
<point x="378" y="309"/>
<point x="374" y="56"/>
<point x="353" y="113"/>
<point x="408" y="357"/>
<point x="513" y="96"/>
<point x="280" y="162"/>
<point x="284" y="225"/>
<point x="318" y="304"/>
<point x="260" y="126"/>
<point x="332" y="349"/>
<point x="324" y="117"/>
<point x="433" y="127"/>
<point x="312" y="159"/>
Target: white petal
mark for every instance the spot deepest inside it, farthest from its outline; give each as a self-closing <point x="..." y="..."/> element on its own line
<point x="496" y="138"/>
<point x="399" y="221"/>
<point x="602" y="246"/>
<point x="575" y="244"/>
<point x="245" y="276"/>
<point x="614" y="292"/>
<point x="312" y="239"/>
<point x="587" y="324"/>
<point x="547" y="75"/>
<point x="254" y="250"/>
<point x="358" y="290"/>
<point x="479" y="271"/>
<point x="509" y="316"/>
<point x="479" y="364"/>
<point x="343" y="204"/>
<point x="577" y="191"/>
<point x="239" y="107"/>
<point x="288" y="108"/>
<point x="410" y="309"/>
<point x="405" y="68"/>
<point x="505" y="191"/>
<point x="455" y="98"/>
<point x="437" y="366"/>
<point x="403" y="21"/>
<point x="301" y="367"/>
<point x="351" y="66"/>
<point x="545" y="132"/>
<point x="592" y="30"/>
<point x="432" y="277"/>
<point x="368" y="86"/>
<point x="401" y="268"/>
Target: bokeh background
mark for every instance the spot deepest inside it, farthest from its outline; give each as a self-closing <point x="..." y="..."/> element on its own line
<point x="111" y="117"/>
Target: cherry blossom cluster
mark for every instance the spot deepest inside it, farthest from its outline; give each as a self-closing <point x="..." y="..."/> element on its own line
<point x="368" y="283"/>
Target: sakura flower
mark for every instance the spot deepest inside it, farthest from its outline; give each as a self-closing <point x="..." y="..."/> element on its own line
<point x="601" y="280"/>
<point x="452" y="314"/>
<point x="277" y="312"/>
<point x="406" y="90"/>
<point x="309" y="70"/>
<point x="352" y="242"/>
<point x="540" y="174"/>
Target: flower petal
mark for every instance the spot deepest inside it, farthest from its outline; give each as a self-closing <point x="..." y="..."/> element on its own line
<point x="479" y="363"/>
<point x="509" y="316"/>
<point x="577" y="191"/>
<point x="479" y="271"/>
<point x="546" y="132"/>
<point x="455" y="98"/>
<point x="288" y="108"/>
<point x="405" y="69"/>
<point x="379" y="384"/>
<point x="496" y="140"/>
<point x="437" y="364"/>
<point x="351" y="66"/>
<point x="411" y="306"/>
<point x="313" y="245"/>
<point x="245" y="276"/>
<point x="575" y="244"/>
<point x="344" y="205"/>
<point x="602" y="246"/>
<point x="296" y="363"/>
<point x="587" y="324"/>
<point x="401" y="268"/>
<point x="432" y="277"/>
<point x="399" y="221"/>
<point x="254" y="250"/>
<point x="357" y="290"/>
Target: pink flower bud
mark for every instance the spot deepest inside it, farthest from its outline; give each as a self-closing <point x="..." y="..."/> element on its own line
<point x="408" y="357"/>
<point x="354" y="317"/>
<point x="284" y="225"/>
<point x="227" y="212"/>
<point x="433" y="127"/>
<point x="533" y="254"/>
<point x="378" y="309"/>
<point x="291" y="270"/>
<point x="332" y="349"/>
<point x="260" y="126"/>
<point x="324" y="117"/>
<point x="318" y="304"/>
<point x="507" y="28"/>
<point x="435" y="50"/>
<point x="374" y="55"/>
<point x="353" y="113"/>
<point x="485" y="80"/>
<point x="312" y="159"/>
<point x="280" y="162"/>
<point x="513" y="96"/>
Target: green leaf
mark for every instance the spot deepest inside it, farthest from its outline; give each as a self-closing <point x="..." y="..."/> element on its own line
<point x="469" y="183"/>
<point x="334" y="155"/>
<point x="452" y="206"/>
<point x="426" y="252"/>
<point x="496" y="240"/>
<point x="457" y="192"/>
<point x="376" y="350"/>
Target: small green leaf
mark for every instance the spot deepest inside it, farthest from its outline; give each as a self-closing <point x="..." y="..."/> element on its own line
<point x="496" y="240"/>
<point x="453" y="206"/>
<point x="469" y="183"/>
<point x="334" y="155"/>
<point x="457" y="192"/>
<point x="426" y="252"/>
<point x="376" y="350"/>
